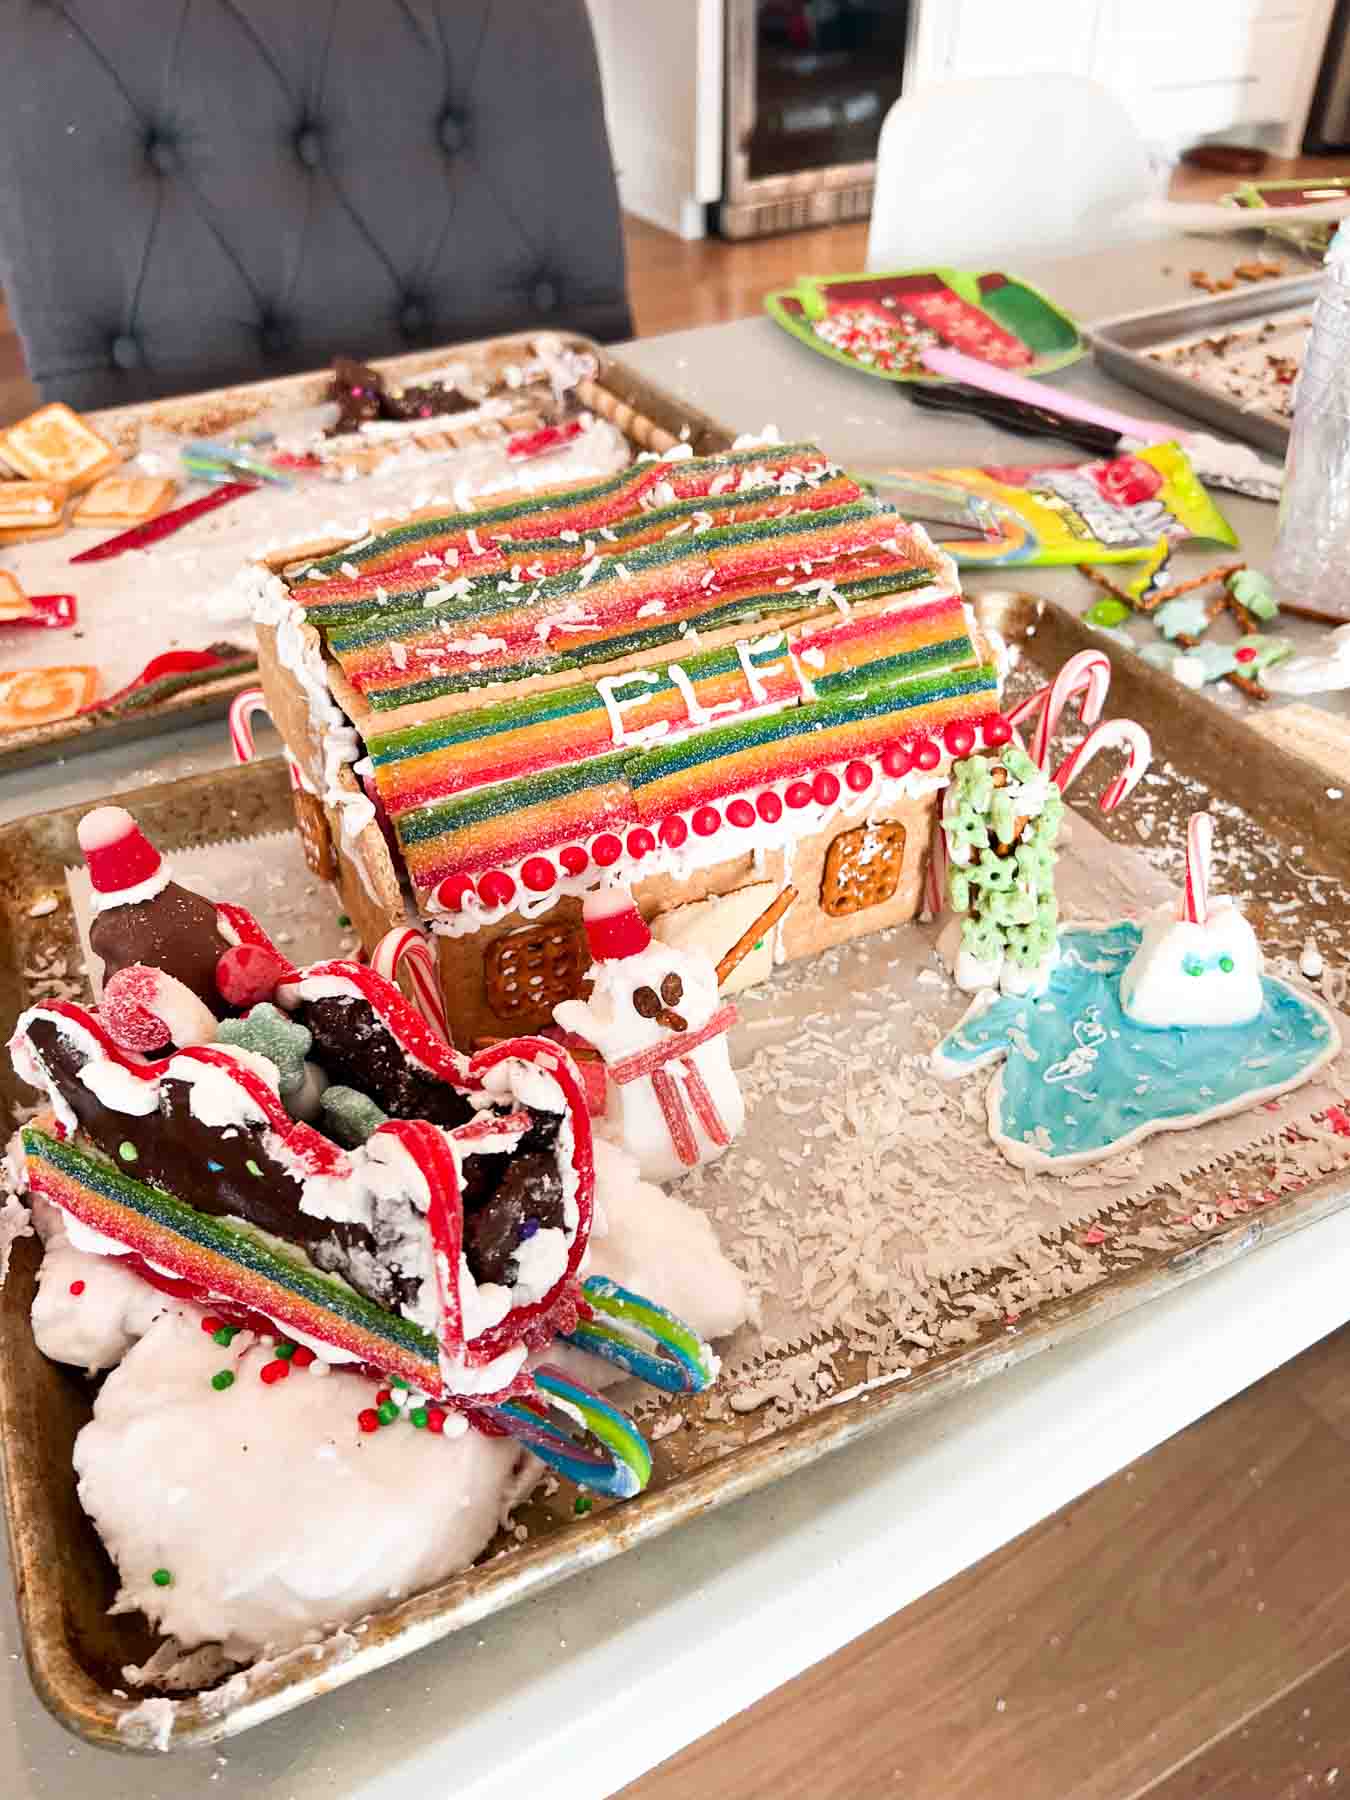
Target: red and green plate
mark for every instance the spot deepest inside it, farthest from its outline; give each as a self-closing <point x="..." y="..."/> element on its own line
<point x="880" y="323"/>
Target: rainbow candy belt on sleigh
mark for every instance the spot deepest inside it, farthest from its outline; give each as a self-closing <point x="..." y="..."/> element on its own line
<point x="463" y="1345"/>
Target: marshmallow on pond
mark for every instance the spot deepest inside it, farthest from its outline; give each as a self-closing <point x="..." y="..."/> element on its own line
<point x="1203" y="967"/>
<point x="658" y="1020"/>
<point x="1187" y="974"/>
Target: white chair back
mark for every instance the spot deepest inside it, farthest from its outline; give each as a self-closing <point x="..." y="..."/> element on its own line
<point x="971" y="173"/>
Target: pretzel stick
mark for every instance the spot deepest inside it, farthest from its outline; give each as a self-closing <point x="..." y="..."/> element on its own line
<point x="1178" y="588"/>
<point x="746" y="942"/>
<point x="1096" y="577"/>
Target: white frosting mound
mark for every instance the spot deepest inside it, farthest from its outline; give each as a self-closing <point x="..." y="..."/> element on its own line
<point x="275" y="1515"/>
<point x="94" y="1328"/>
<point x="662" y="1248"/>
<point x="1184" y="974"/>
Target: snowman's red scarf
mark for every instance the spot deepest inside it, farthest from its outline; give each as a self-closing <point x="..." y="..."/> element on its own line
<point x="650" y="1064"/>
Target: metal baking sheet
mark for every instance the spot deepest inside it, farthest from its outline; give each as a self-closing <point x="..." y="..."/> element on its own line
<point x="65" y="1582"/>
<point x="631" y="402"/>
<point x="1122" y="345"/>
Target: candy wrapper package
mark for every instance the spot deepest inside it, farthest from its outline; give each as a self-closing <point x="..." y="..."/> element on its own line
<point x="1114" y="510"/>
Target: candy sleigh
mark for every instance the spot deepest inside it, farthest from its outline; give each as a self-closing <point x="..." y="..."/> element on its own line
<point x="439" y="1245"/>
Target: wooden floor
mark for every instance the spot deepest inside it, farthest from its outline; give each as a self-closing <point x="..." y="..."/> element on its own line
<point x="1181" y="1632"/>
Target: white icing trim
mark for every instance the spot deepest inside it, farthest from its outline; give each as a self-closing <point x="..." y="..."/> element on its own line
<point x="132" y="896"/>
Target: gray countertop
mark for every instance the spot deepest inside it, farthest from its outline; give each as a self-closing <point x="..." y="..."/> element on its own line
<point x="577" y="1689"/>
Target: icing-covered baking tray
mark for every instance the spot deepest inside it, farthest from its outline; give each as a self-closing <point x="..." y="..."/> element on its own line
<point x="647" y="416"/>
<point x="778" y="1408"/>
<point x="1126" y="347"/>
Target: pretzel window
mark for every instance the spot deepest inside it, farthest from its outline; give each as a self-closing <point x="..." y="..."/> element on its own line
<point x="862" y="868"/>
<point x="526" y="974"/>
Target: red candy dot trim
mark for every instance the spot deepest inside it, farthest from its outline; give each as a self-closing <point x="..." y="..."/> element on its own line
<point x="707" y="820"/>
<point x="959" y="737"/>
<point x="641" y="842"/>
<point x="927" y="755"/>
<point x="858" y="775"/>
<point x="997" y="731"/>
<point x="896" y="761"/>
<point x="770" y="808"/>
<point x="452" y="892"/>
<point x="496" y="888"/>
<point x="573" y="859"/>
<point x="741" y="813"/>
<point x="673" y="833"/>
<point x="825" y="788"/>
<point x="538" y="874"/>
<point x="606" y="849"/>
<point x="798" y="794"/>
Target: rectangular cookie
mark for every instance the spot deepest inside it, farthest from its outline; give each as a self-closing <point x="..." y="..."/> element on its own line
<point x="124" y="500"/>
<point x="55" y="444"/>
<point x="27" y="506"/>
<point x="14" y="603"/>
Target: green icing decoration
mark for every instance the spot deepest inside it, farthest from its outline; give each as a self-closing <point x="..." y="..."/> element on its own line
<point x="1252" y="589"/>
<point x="1107" y="613"/>
<point x="1008" y="900"/>
<point x="269" y="1032"/>
<point x="1187" y="616"/>
<point x="347" y="1116"/>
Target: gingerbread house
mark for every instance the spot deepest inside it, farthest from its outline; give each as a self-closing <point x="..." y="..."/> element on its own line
<point x="707" y="676"/>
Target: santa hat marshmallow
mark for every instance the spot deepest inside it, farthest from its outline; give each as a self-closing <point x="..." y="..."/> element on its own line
<point x="614" y="926"/>
<point x="117" y="852"/>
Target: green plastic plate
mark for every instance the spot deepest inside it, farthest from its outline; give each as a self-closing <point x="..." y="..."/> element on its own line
<point x="876" y="322"/>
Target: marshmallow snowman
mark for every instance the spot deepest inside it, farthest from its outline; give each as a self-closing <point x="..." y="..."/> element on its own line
<point x="657" y="1019"/>
<point x="1202" y="967"/>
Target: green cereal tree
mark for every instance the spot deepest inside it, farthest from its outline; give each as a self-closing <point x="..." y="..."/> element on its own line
<point x="1002" y="818"/>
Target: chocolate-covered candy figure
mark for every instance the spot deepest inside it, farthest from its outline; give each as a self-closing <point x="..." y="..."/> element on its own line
<point x="141" y="915"/>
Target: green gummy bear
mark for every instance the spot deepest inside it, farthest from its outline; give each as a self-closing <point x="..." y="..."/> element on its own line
<point x="1252" y="589"/>
<point x="1107" y="612"/>
<point x="348" y="1116"/>
<point x="269" y="1032"/>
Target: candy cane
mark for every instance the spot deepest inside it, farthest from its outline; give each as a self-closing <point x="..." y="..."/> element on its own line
<point x="1199" y="855"/>
<point x="1087" y="675"/>
<point x="242" y="709"/>
<point x="1121" y="734"/>
<point x="406" y="948"/>
<point x="935" y="889"/>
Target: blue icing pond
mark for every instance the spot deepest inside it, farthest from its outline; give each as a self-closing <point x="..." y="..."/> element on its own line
<point x="1080" y="1077"/>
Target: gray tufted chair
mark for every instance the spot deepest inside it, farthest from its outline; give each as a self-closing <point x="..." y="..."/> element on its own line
<point x="197" y="192"/>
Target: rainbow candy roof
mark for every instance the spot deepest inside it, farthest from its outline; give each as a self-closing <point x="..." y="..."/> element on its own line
<point x="616" y="569"/>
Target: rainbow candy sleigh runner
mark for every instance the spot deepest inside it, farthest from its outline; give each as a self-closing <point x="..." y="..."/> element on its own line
<point x="1104" y="1034"/>
<point x="299" y="1149"/>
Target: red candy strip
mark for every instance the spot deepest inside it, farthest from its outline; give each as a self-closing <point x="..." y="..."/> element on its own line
<point x="677" y="1120"/>
<point x="165" y="524"/>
